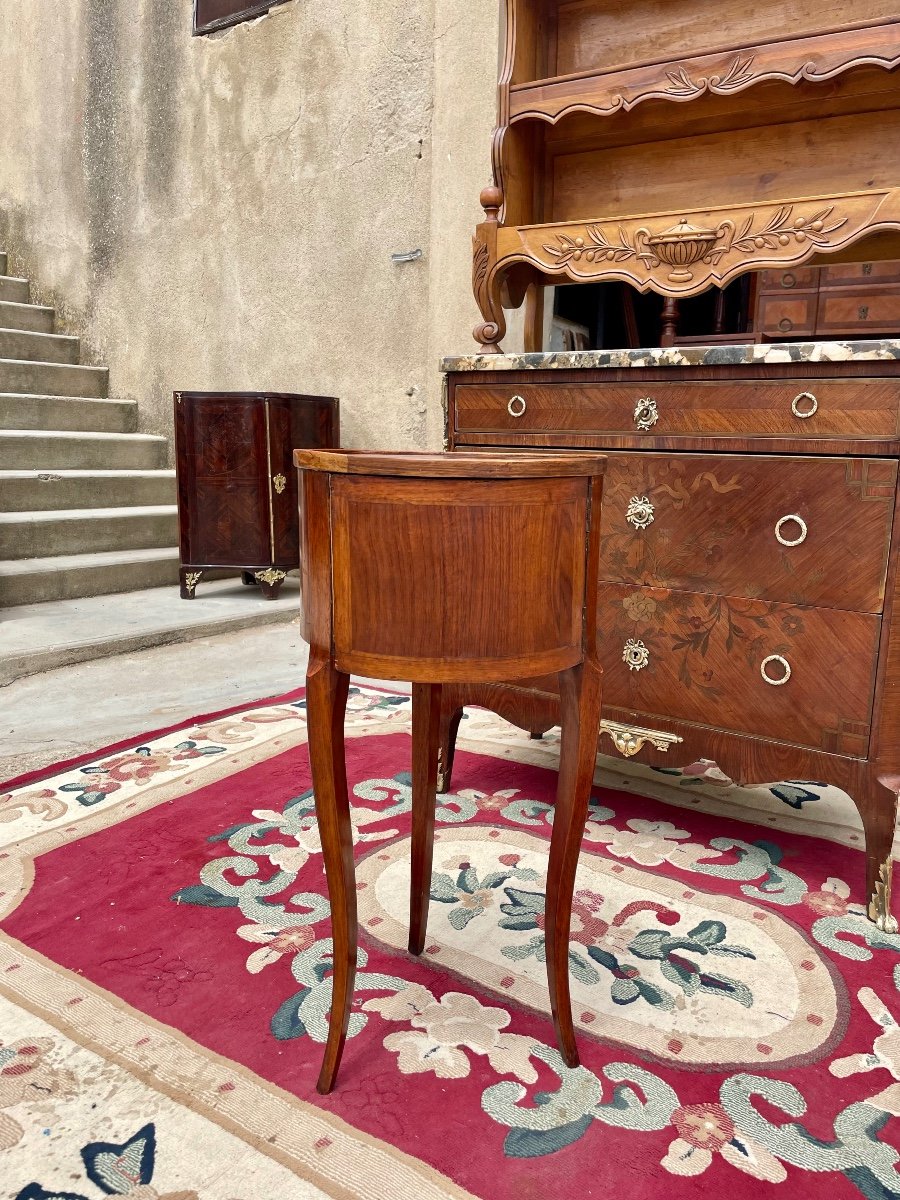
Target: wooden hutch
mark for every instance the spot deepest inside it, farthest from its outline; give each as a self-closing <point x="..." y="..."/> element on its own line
<point x="750" y="544"/>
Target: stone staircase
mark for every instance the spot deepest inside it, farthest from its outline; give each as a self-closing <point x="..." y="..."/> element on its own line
<point x="87" y="506"/>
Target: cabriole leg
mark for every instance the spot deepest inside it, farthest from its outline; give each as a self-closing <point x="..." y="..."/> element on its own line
<point x="451" y="715"/>
<point x="426" y="724"/>
<point x="877" y="798"/>
<point x="326" y="700"/>
<point x="580" y="721"/>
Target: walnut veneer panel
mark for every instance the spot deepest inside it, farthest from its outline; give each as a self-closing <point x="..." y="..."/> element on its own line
<point x="843" y="407"/>
<point x="508" y="524"/>
<point x="706" y="652"/>
<point x="715" y="520"/>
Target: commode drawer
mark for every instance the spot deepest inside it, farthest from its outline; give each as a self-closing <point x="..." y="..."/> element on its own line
<point x="786" y="672"/>
<point x="789" y="408"/>
<point x="760" y="526"/>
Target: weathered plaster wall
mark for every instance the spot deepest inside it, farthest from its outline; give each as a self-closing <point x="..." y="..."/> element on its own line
<point x="220" y="212"/>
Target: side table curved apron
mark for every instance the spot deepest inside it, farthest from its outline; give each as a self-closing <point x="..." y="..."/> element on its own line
<point x="440" y="569"/>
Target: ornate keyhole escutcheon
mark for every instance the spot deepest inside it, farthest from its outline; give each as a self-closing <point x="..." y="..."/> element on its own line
<point x="517" y="406"/>
<point x="640" y="512"/>
<point x="804" y="406"/>
<point x="765" y="670"/>
<point x="279" y="483"/>
<point x="801" y="524"/>
<point x="646" y="414"/>
<point x="635" y="654"/>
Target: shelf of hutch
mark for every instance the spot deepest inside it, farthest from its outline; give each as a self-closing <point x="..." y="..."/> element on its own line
<point x="237" y="489"/>
<point x="613" y="119"/>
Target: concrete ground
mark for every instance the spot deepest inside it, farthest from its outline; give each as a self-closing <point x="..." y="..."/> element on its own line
<point x="74" y="710"/>
<point x="42" y="637"/>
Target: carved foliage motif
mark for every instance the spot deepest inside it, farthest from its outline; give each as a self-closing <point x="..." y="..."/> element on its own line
<point x="810" y="59"/>
<point x="685" y="245"/>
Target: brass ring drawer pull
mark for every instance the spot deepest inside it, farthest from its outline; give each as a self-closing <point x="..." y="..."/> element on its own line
<point x="804" y="414"/>
<point x="635" y="654"/>
<point x="787" y="541"/>
<point x="646" y="414"/>
<point x="783" y="663"/>
<point x="517" y="406"/>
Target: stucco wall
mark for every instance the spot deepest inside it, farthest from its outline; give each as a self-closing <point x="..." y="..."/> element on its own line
<point x="220" y="212"/>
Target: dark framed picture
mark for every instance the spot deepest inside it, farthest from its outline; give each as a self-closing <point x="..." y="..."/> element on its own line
<point x="210" y="15"/>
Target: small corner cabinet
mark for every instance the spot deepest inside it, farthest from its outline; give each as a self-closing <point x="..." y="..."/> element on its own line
<point x="237" y="489"/>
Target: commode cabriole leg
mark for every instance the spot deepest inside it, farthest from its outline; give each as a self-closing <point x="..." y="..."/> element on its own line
<point x="451" y="715"/>
<point x="876" y="797"/>
<point x="580" y="721"/>
<point x="326" y="700"/>
<point x="426" y="728"/>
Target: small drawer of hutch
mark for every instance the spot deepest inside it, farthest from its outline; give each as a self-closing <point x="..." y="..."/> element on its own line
<point x="865" y="309"/>
<point x="781" y="671"/>
<point x="861" y="275"/>
<point x="791" y="279"/>
<point x="786" y="408"/>
<point x="755" y="526"/>
<point x="792" y="315"/>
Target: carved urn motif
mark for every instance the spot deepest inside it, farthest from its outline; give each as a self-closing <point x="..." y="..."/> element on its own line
<point x="682" y="246"/>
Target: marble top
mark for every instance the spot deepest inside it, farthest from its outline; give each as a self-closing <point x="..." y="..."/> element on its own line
<point x="682" y="356"/>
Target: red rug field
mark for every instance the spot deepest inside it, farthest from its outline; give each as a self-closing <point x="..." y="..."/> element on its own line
<point x="167" y="931"/>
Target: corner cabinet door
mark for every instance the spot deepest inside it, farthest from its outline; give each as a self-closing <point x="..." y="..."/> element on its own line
<point x="282" y="478"/>
<point x="221" y="446"/>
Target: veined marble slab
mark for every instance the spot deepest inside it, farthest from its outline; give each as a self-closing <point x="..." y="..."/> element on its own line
<point x="682" y="356"/>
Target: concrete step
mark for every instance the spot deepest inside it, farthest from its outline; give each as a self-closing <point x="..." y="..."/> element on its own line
<point x="37" y="580"/>
<point x="40" y="637"/>
<point x="26" y="316"/>
<point x="24" y="448"/>
<point x="11" y="288"/>
<point x="39" y="347"/>
<point x="19" y="411"/>
<point x="87" y="531"/>
<point x="33" y="491"/>
<point x="52" y="379"/>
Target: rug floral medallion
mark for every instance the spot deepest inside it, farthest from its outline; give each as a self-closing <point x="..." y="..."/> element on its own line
<point x="165" y="963"/>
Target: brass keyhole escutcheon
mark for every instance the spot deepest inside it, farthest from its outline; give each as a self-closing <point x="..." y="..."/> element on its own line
<point x="635" y="654"/>
<point x="640" y="512"/>
<point x="646" y="414"/>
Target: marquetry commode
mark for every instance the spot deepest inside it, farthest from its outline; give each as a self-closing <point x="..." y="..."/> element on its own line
<point x="748" y="556"/>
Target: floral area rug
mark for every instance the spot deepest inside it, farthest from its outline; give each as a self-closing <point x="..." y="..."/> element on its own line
<point x="165" y="959"/>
